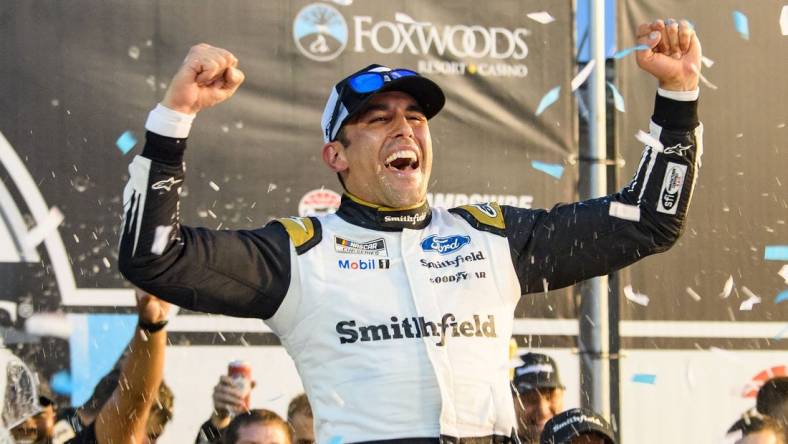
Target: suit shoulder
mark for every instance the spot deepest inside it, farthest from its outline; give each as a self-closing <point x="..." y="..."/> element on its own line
<point x="483" y="217"/>
<point x="304" y="232"/>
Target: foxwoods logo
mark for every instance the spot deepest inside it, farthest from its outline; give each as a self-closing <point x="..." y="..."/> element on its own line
<point x="415" y="328"/>
<point x="321" y="33"/>
<point x="444" y="245"/>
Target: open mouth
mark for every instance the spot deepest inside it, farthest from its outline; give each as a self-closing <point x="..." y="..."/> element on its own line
<point x="402" y="161"/>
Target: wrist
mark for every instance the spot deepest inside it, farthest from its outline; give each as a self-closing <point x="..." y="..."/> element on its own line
<point x="219" y="419"/>
<point x="151" y="327"/>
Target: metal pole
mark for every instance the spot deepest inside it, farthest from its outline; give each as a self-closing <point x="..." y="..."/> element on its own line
<point x="594" y="322"/>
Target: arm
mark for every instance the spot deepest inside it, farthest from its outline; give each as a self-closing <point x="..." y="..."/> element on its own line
<point x="126" y="413"/>
<point x="227" y="402"/>
<point x="574" y="242"/>
<point x="239" y="273"/>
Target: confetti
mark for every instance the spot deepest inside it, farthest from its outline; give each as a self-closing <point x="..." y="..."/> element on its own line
<point x="624" y="211"/>
<point x="693" y="294"/>
<point x="343" y="2"/>
<point x="44" y="228"/>
<point x="783" y="296"/>
<point x="627" y="51"/>
<point x="55" y="102"/>
<point x="338" y="399"/>
<point x="335" y="440"/>
<point x="271" y="187"/>
<point x="649" y="140"/>
<point x="728" y="288"/>
<point x="617" y="99"/>
<point x="542" y="17"/>
<point x="582" y="76"/>
<point x="126" y="142"/>
<point x="60" y="383"/>
<point x="106" y="262"/>
<point x="548" y="100"/>
<point x="781" y="333"/>
<point x="707" y="62"/>
<point x="160" y="239"/>
<point x="784" y="20"/>
<point x="740" y="23"/>
<point x="776" y="253"/>
<point x="784" y="273"/>
<point x="644" y="378"/>
<point x="134" y="52"/>
<point x="213" y="185"/>
<point x="49" y="324"/>
<point x="552" y="169"/>
<point x="706" y="82"/>
<point x="637" y="298"/>
<point x="749" y="303"/>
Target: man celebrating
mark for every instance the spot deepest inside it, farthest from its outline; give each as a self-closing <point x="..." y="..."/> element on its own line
<point x="398" y="316"/>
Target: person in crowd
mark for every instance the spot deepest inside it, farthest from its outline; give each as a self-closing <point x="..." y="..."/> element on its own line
<point x="228" y="401"/>
<point x="578" y="426"/>
<point x="39" y="428"/>
<point x="539" y="395"/>
<point x="123" y="419"/>
<point x="19" y="400"/>
<point x="772" y="400"/>
<point x="331" y="287"/>
<point x="756" y="428"/>
<point x="299" y="416"/>
<point x="258" y="426"/>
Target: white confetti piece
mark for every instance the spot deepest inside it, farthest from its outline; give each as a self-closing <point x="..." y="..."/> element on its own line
<point x="693" y="294"/>
<point x="638" y="298"/>
<point x="343" y="2"/>
<point x="784" y="20"/>
<point x="239" y="125"/>
<point x="106" y="262"/>
<point x="749" y="303"/>
<point x="160" y="239"/>
<point x="55" y="103"/>
<point x="213" y="185"/>
<point x="647" y="139"/>
<point x="624" y="211"/>
<point x="76" y="238"/>
<point x="225" y="129"/>
<point x="338" y="399"/>
<point x="212" y="214"/>
<point x="44" y="229"/>
<point x="542" y="17"/>
<point x="784" y="273"/>
<point x="728" y="288"/>
<point x="134" y="52"/>
<point x="582" y="76"/>
<point x="707" y="62"/>
<point x="49" y="324"/>
<point x="706" y="82"/>
<point x="271" y="187"/>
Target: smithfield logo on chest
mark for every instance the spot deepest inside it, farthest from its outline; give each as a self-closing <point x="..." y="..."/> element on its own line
<point x="444" y="244"/>
<point x="376" y="247"/>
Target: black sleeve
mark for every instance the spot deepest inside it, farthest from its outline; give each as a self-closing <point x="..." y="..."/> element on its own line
<point x="85" y="436"/>
<point x="208" y="434"/>
<point x="238" y="273"/>
<point x="573" y="242"/>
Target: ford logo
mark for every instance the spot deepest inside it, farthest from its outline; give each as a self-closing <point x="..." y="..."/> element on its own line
<point x="444" y="245"/>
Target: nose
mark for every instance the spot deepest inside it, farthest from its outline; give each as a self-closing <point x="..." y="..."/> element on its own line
<point x="401" y="126"/>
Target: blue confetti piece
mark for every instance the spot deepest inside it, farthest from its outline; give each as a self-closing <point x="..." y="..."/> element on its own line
<point x="627" y="51"/>
<point x="548" y="100"/>
<point x="336" y="439"/>
<point x="618" y="100"/>
<point x="644" y="378"/>
<point x="126" y="142"/>
<point x="781" y="333"/>
<point x="60" y="383"/>
<point x="740" y="22"/>
<point x="552" y="169"/>
<point x="776" y="253"/>
<point x="783" y="296"/>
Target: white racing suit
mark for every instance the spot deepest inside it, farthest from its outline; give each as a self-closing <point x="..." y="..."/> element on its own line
<point x="399" y="320"/>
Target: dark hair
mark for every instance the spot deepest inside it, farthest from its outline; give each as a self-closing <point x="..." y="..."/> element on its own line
<point x="299" y="405"/>
<point x="772" y="399"/>
<point x="161" y="410"/>
<point x="262" y="416"/>
<point x="102" y="392"/>
<point x="752" y="421"/>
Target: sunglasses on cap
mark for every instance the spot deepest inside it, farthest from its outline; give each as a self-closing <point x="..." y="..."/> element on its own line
<point x="367" y="82"/>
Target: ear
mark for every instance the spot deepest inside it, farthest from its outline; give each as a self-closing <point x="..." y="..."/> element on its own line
<point x="334" y="156"/>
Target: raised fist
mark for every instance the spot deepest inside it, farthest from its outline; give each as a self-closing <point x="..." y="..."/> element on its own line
<point x="208" y="76"/>
<point x="673" y="56"/>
